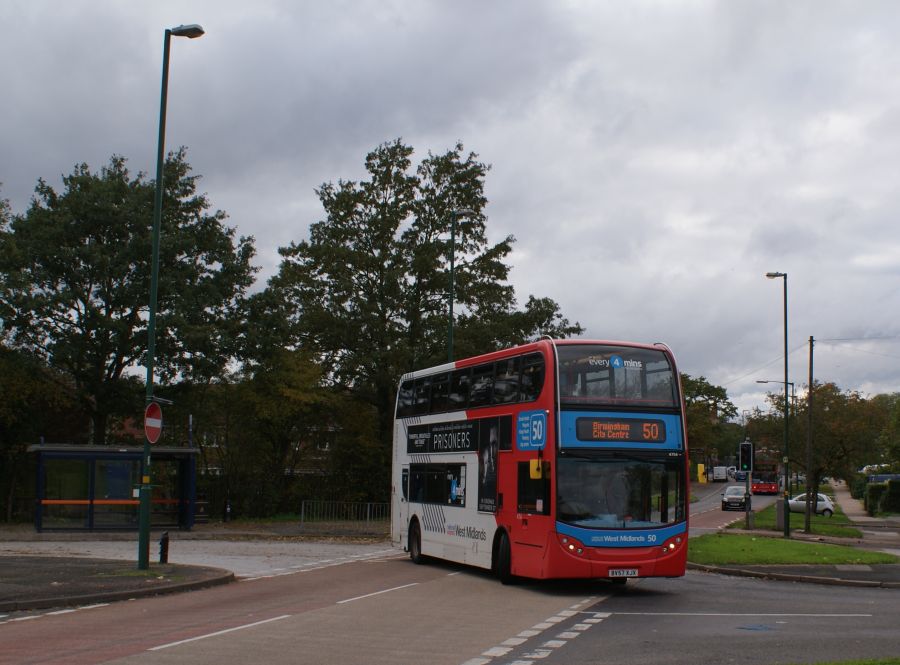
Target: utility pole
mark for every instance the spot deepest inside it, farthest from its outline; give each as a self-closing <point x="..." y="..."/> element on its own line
<point x="809" y="437"/>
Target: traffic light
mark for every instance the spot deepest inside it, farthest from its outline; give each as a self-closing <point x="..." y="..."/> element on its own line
<point x="746" y="456"/>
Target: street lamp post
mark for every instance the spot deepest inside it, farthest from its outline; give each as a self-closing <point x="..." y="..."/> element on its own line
<point x="787" y="508"/>
<point x="191" y="31"/>
<point x="809" y="436"/>
<point x="456" y="212"/>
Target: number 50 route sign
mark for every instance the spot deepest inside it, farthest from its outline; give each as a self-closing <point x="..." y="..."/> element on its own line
<point x="153" y="422"/>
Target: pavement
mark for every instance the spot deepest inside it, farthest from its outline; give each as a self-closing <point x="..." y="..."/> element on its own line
<point x="40" y="582"/>
<point x="47" y="570"/>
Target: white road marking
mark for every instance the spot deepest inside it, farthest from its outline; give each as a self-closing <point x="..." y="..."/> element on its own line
<point x="737" y="614"/>
<point x="496" y="652"/>
<point x="505" y="647"/>
<point x="47" y="614"/>
<point x="217" y="633"/>
<point x="316" y="565"/>
<point x="376" y="593"/>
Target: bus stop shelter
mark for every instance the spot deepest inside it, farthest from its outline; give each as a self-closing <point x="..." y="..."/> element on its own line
<point x="93" y="487"/>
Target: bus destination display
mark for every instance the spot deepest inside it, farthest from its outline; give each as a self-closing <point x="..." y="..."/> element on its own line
<point x="621" y="429"/>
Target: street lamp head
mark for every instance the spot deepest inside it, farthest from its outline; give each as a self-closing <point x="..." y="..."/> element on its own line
<point x="789" y="383"/>
<point x="774" y="275"/>
<point x="191" y="31"/>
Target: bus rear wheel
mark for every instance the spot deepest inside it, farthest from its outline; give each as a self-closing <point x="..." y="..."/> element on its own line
<point x="504" y="560"/>
<point x="414" y="541"/>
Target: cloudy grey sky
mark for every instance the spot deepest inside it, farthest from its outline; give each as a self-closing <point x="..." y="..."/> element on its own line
<point x="653" y="159"/>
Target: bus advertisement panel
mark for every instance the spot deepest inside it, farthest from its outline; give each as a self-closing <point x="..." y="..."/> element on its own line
<point x="557" y="459"/>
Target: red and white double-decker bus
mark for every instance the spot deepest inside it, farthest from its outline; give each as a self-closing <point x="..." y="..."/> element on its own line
<point x="556" y="459"/>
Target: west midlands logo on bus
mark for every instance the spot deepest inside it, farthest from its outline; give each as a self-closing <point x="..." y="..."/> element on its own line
<point x="470" y="532"/>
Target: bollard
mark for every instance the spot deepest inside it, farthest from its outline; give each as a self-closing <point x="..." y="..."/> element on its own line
<point x="164" y="548"/>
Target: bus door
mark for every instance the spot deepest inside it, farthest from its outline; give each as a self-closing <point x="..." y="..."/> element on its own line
<point x="533" y="524"/>
<point x="402" y="504"/>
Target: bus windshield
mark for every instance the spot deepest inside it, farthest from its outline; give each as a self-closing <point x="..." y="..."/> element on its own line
<point x="599" y="491"/>
<point x="591" y="374"/>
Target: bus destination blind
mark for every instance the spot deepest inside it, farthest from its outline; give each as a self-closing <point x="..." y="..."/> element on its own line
<point x="641" y="430"/>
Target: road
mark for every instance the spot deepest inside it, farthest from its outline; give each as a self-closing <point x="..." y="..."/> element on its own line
<point x="706" y="511"/>
<point x="390" y="611"/>
<point x="339" y="603"/>
<point x="384" y="609"/>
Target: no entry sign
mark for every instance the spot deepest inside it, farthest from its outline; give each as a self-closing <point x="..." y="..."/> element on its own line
<point x="153" y="422"/>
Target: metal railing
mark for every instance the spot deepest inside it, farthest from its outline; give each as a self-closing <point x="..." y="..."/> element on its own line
<point x="345" y="517"/>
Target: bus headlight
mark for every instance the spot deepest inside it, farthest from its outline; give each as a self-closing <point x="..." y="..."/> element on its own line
<point x="671" y="545"/>
<point x="571" y="545"/>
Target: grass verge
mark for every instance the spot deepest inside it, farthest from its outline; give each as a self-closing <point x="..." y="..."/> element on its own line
<point x="836" y="526"/>
<point x="717" y="549"/>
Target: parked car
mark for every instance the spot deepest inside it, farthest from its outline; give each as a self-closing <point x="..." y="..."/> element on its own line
<point x="824" y="505"/>
<point x="733" y="498"/>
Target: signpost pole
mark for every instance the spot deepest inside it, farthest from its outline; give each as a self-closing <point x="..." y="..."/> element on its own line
<point x="152" y="432"/>
<point x="745" y="463"/>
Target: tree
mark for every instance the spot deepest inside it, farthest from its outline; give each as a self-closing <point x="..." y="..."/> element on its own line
<point x="888" y="442"/>
<point x="368" y="292"/>
<point x="846" y="427"/>
<point x="76" y="274"/>
<point x="34" y="402"/>
<point x="707" y="410"/>
<point x="278" y="407"/>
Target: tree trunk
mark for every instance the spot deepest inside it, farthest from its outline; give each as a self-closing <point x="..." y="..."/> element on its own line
<point x="98" y="420"/>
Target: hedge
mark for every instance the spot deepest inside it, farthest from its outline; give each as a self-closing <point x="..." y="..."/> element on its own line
<point x="890" y="499"/>
<point x="858" y="486"/>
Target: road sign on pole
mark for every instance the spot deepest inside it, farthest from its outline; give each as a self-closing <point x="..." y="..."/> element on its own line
<point x="153" y="422"/>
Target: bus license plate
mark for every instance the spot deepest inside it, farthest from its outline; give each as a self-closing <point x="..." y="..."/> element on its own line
<point x="623" y="572"/>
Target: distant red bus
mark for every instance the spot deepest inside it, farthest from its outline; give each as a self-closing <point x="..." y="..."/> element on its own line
<point x="764" y="479"/>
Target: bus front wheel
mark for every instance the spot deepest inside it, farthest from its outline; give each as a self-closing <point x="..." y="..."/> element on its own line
<point x="414" y="541"/>
<point x="504" y="560"/>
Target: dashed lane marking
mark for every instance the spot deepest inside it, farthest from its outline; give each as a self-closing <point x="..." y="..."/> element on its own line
<point x="218" y="632"/>
<point x="31" y="617"/>
<point x="546" y="648"/>
<point x="380" y="555"/>
<point x="740" y="614"/>
<point x="376" y="593"/>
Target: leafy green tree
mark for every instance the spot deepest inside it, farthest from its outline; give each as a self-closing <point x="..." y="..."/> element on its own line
<point x="708" y="410"/>
<point x="278" y="406"/>
<point x="846" y="427"/>
<point x="888" y="442"/>
<point x="76" y="276"/>
<point x="34" y="402"/>
<point x="368" y="292"/>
